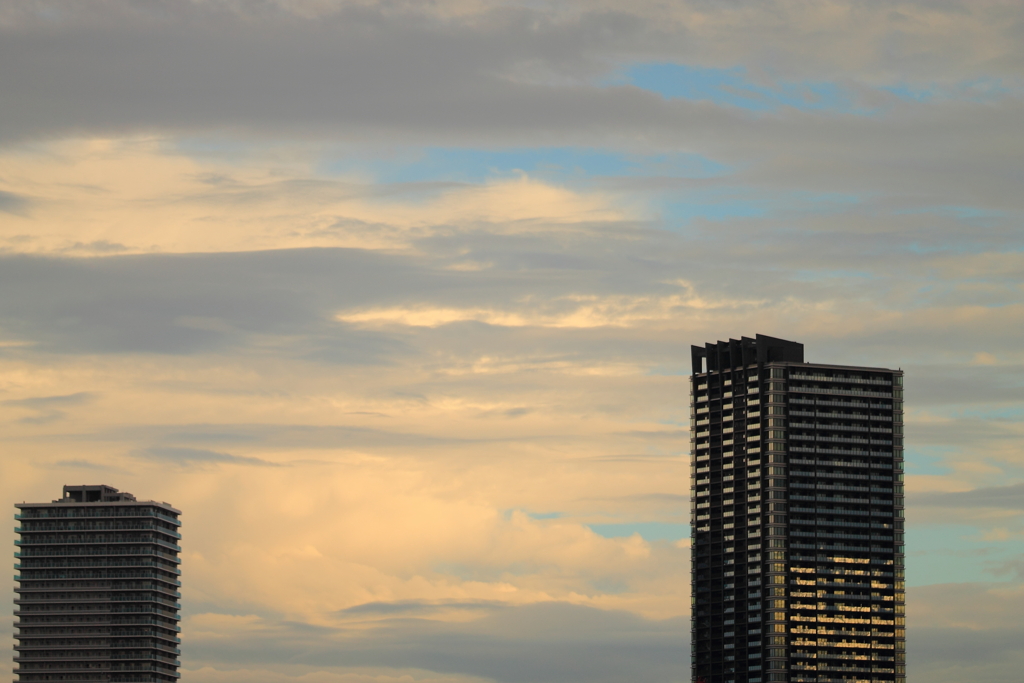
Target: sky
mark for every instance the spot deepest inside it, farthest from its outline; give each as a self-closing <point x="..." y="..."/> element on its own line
<point x="393" y="300"/>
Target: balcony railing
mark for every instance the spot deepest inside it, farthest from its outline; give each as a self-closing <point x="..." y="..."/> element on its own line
<point x="49" y="526"/>
<point x="93" y="513"/>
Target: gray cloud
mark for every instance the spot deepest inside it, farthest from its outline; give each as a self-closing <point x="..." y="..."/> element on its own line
<point x="13" y="203"/>
<point x="283" y="437"/>
<point x="49" y="408"/>
<point x="197" y="456"/>
<point x="526" y="76"/>
<point x="994" y="384"/>
<point x="363" y="67"/>
<point x="956" y="633"/>
<point x="1004" y="497"/>
<point x="992" y="435"/>
<point x="558" y="642"/>
<point x="417" y="607"/>
<point x="211" y="303"/>
<point x="84" y="464"/>
<point x="44" y="402"/>
<point x="196" y="303"/>
<point x="538" y="643"/>
<point x="96" y="247"/>
<point x="190" y="304"/>
<point x="964" y="632"/>
<point x="952" y="655"/>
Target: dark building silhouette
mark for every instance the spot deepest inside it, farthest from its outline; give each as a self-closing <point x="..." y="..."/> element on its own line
<point x="98" y="588"/>
<point x="797" y="517"/>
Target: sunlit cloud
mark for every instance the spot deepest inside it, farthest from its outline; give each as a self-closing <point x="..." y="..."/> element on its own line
<point x="574" y="311"/>
<point x="100" y="197"/>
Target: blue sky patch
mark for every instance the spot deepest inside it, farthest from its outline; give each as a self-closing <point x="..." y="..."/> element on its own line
<point x="559" y="164"/>
<point x="731" y="87"/>
<point x="954" y="553"/>
<point x="651" y="531"/>
<point x="976" y="90"/>
<point x="722" y="203"/>
<point x="919" y="462"/>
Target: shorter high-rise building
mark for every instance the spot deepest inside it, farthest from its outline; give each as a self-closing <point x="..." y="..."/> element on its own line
<point x="98" y="588"/>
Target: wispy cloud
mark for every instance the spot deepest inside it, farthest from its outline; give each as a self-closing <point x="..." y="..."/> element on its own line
<point x="1002" y="497"/>
<point x="84" y="464"/>
<point x="198" y="457"/>
<point x="49" y="408"/>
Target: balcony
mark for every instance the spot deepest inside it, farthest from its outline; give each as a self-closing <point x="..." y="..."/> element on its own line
<point x="838" y="392"/>
<point x="840" y="379"/>
<point x="95" y="540"/>
<point x="97" y="513"/>
<point x="86" y="528"/>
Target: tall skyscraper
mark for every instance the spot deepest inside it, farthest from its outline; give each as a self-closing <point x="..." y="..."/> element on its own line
<point x="98" y="594"/>
<point x="797" y="517"/>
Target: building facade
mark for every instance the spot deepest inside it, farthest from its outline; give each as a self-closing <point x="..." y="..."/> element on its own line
<point x="98" y="588"/>
<point x="797" y="517"/>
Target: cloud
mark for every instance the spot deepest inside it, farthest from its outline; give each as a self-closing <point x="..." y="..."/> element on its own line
<point x="414" y="530"/>
<point x="13" y="203"/>
<point x="42" y="402"/>
<point x="577" y="311"/>
<point x="964" y="631"/>
<point x="557" y="641"/>
<point x="49" y="408"/>
<point x="168" y="192"/>
<point x="487" y="65"/>
<point x="274" y="674"/>
<point x="80" y="307"/>
<point x="83" y="464"/>
<point x="198" y="456"/>
<point x="529" y="644"/>
<point x="971" y="634"/>
<point x="517" y="76"/>
<point x="1002" y="497"/>
<point x="416" y="607"/>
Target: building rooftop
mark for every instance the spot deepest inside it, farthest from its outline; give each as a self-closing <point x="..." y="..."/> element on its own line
<point x="93" y="493"/>
<point x="84" y="494"/>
